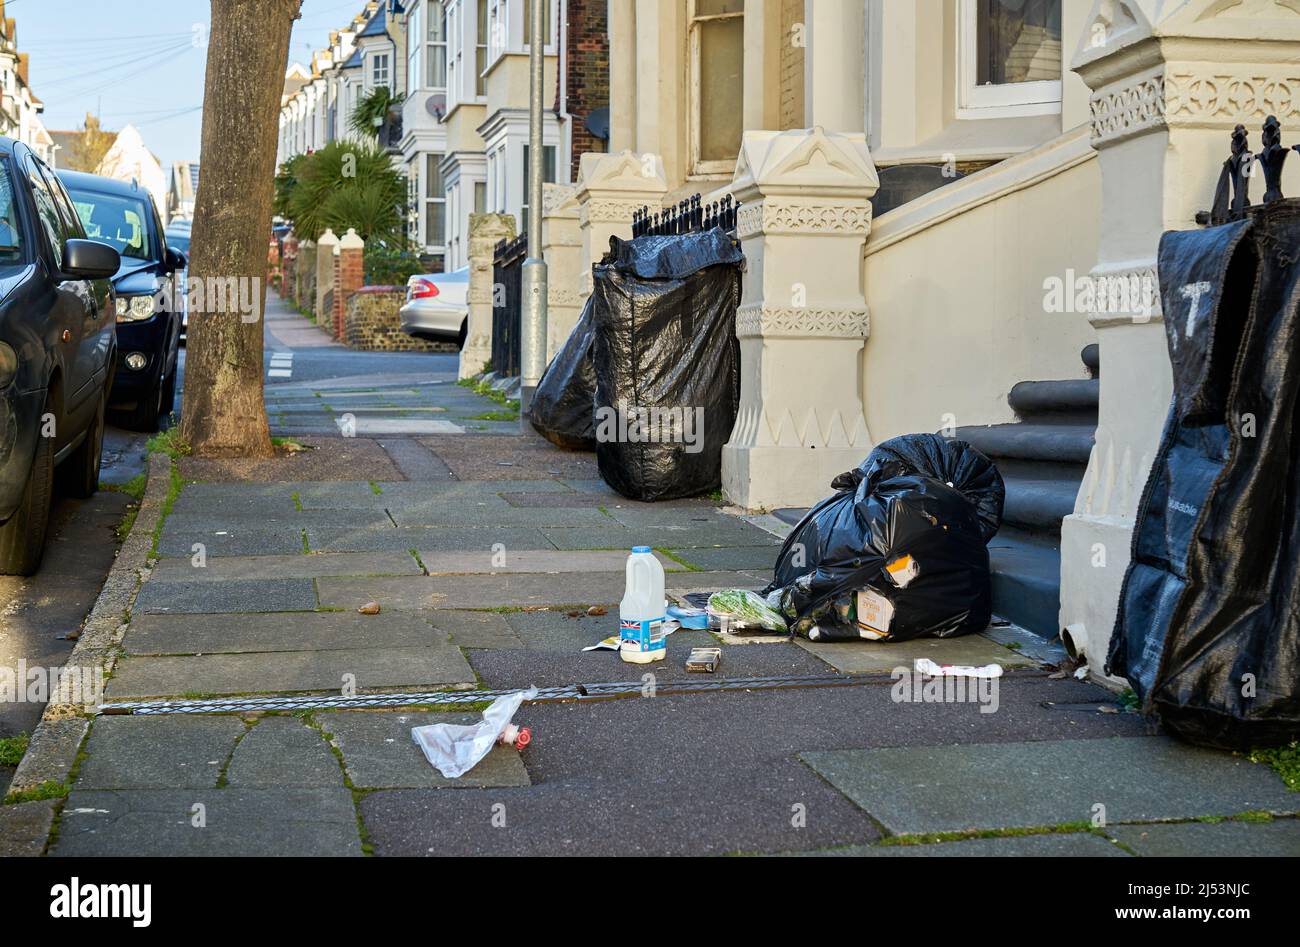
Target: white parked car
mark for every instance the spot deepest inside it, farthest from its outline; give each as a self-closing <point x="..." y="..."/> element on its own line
<point x="437" y="307"/>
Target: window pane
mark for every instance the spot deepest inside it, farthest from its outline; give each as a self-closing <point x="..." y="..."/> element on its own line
<point x="1017" y="41"/>
<point x="434" y="186"/>
<point x="546" y="23"/>
<point x="480" y="197"/>
<point x="437" y="22"/>
<point x="722" y="46"/>
<point x="433" y="224"/>
<point x="437" y="67"/>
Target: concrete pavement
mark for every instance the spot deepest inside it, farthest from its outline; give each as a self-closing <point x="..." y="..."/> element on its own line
<point x="485" y="552"/>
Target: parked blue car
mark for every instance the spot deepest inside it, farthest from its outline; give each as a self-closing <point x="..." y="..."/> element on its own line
<point x="149" y="310"/>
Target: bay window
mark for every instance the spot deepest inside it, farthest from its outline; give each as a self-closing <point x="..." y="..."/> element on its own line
<point x="717" y="57"/>
<point x="1009" y="57"/>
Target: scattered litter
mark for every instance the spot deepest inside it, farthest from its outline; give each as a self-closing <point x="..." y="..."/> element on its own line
<point x="574" y="614"/>
<point x="690" y="618"/>
<point x="643" y="611"/>
<point x="732" y="610"/>
<point x="1082" y="673"/>
<point x="927" y="668"/>
<point x="370" y="608"/>
<point x="704" y="660"/>
<point x="455" y="749"/>
<point x="597" y="610"/>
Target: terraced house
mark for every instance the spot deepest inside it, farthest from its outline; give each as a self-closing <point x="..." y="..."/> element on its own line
<point x="934" y="196"/>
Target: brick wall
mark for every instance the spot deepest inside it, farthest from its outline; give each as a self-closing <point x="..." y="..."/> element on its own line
<point x="372" y="323"/>
<point x="587" y="77"/>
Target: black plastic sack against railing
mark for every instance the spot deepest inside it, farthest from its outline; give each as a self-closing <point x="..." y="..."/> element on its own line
<point x="667" y="362"/>
<point x="563" y="404"/>
<point x="507" y="305"/>
<point x="929" y="497"/>
<point x="1208" y="627"/>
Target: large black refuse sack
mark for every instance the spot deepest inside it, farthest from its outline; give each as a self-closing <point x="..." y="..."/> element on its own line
<point x="911" y="525"/>
<point x="667" y="362"/>
<point x="1208" y="628"/>
<point x="562" y="405"/>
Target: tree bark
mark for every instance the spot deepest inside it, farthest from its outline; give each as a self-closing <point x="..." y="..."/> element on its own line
<point x="223" y="412"/>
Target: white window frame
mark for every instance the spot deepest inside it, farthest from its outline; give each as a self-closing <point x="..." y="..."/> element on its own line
<point x="375" y="58"/>
<point x="414" y="62"/>
<point x="430" y="44"/>
<point x="431" y="198"/>
<point x="1007" y="100"/>
<point x="700" y="167"/>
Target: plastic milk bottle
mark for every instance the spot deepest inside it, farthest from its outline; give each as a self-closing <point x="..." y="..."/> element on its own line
<point x="642" y="611"/>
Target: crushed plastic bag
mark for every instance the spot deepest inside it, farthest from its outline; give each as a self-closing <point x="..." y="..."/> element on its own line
<point x="741" y="609"/>
<point x="455" y="749"/>
<point x="562" y="409"/>
<point x="899" y="551"/>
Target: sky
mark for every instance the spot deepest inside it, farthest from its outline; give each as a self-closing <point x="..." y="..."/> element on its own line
<point x="139" y="62"/>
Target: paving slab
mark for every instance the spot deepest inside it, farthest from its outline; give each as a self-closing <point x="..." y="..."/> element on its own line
<point x="288" y="671"/>
<point x="649" y="811"/>
<point x="296" y="566"/>
<point x="1021" y="785"/>
<point x="503" y="589"/>
<point x="277" y="631"/>
<point x="417" y="492"/>
<point x="477" y="512"/>
<point x="661" y="537"/>
<point x="876" y="657"/>
<point x="168" y="752"/>
<point x="531" y="560"/>
<point x="442" y="538"/>
<point x="283" y="751"/>
<point x="1276" y="838"/>
<point x="24" y="827"/>
<point x="414" y="460"/>
<point x="242" y="541"/>
<point x="474" y="629"/>
<point x="743" y="558"/>
<point x="234" y="595"/>
<point x="1049" y="845"/>
<point x="379" y="752"/>
<point x="302" y="822"/>
<point x="521" y="456"/>
<point x="212" y="520"/>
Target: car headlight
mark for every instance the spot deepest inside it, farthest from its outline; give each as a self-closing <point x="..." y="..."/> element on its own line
<point x="8" y="365"/>
<point x="134" y="308"/>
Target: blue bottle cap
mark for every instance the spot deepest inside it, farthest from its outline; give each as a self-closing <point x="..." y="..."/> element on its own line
<point x="640" y="548"/>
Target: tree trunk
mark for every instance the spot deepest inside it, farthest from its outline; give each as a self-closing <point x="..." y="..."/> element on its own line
<point x="248" y="50"/>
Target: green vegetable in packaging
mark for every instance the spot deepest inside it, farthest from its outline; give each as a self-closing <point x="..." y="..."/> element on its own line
<point x="745" y="609"/>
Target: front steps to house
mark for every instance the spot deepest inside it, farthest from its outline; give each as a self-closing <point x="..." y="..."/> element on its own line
<point x="1042" y="458"/>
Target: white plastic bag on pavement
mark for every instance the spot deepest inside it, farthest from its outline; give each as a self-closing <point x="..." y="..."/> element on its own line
<point x="455" y="749"/>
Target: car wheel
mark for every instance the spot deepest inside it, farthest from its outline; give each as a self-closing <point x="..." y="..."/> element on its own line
<point x="78" y="475"/>
<point x="151" y="408"/>
<point x="22" y="539"/>
<point x="464" y="334"/>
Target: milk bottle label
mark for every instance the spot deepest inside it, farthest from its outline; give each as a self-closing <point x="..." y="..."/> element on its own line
<point x="642" y="635"/>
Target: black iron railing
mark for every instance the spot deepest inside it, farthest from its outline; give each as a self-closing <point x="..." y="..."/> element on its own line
<point x="687" y="216"/>
<point x="1232" y="194"/>
<point x="507" y="304"/>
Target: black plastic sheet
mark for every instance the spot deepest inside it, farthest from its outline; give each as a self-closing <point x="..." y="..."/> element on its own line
<point x="1208" y="627"/>
<point x="667" y="362"/>
<point x="935" y="499"/>
<point x="563" y="404"/>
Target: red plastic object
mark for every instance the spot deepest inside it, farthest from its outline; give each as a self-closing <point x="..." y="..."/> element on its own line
<point x="523" y="738"/>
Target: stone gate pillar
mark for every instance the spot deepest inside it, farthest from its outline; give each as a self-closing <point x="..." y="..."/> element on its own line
<point x="1169" y="82"/>
<point x="562" y="247"/>
<point x="326" y="248"/>
<point x="485" y="230"/>
<point x="804" y="218"/>
<point x="611" y="188"/>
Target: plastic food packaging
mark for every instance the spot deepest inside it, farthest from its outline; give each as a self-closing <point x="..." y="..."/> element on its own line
<point x="742" y="610"/>
<point x="455" y="749"/>
<point x="899" y="551"/>
<point x="667" y="362"/>
<point x="562" y="406"/>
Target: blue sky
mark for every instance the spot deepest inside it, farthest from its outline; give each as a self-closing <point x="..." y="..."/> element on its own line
<point x="136" y="62"/>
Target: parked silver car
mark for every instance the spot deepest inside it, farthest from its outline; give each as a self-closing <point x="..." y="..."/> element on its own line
<point x="437" y="307"/>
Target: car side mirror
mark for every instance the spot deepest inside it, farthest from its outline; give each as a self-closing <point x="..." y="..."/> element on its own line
<point x="89" y="259"/>
<point x="176" y="260"/>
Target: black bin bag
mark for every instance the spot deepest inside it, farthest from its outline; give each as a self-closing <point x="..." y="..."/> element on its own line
<point x="667" y="362"/>
<point x="562" y="405"/>
<point x="1208" y="626"/>
<point x="910" y="526"/>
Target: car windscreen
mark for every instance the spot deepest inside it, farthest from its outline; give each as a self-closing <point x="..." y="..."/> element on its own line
<point x="11" y="240"/>
<point x="121" y="222"/>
